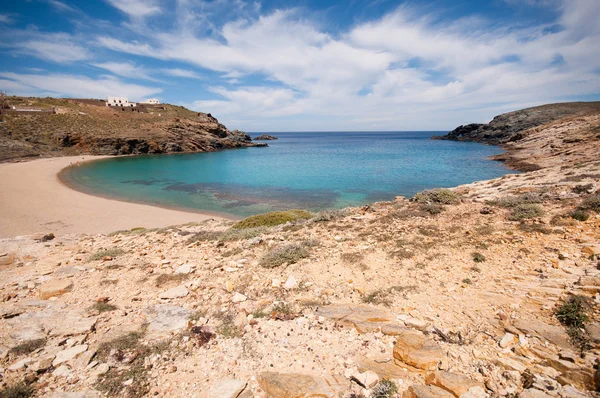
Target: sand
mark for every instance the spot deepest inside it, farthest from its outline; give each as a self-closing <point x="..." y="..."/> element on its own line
<point x="33" y="200"/>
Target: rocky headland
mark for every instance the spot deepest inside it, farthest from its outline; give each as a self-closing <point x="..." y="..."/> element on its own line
<point x="265" y="137"/>
<point x="490" y="289"/>
<point x="49" y="127"/>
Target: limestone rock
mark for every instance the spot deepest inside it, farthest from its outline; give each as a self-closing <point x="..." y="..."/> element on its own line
<point x="166" y="318"/>
<point x="362" y="317"/>
<point x="21" y="364"/>
<point x="414" y="349"/>
<point x="508" y="340"/>
<point x="533" y="393"/>
<point x="426" y="392"/>
<point x="238" y="298"/>
<point x="455" y="383"/>
<point x="592" y="250"/>
<point x="290" y="283"/>
<point x="77" y="394"/>
<point x="227" y="388"/>
<point x="42" y="364"/>
<point x="54" y="288"/>
<point x="293" y="385"/>
<point x="554" y="334"/>
<point x="62" y="371"/>
<point x="68" y="354"/>
<point x="184" y="269"/>
<point x="173" y="293"/>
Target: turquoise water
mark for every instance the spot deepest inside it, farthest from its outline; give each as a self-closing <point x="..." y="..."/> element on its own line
<point x="312" y="171"/>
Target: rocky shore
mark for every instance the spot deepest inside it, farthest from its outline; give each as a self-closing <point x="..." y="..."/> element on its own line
<point x="67" y="127"/>
<point x="490" y="289"/>
<point x="265" y="137"/>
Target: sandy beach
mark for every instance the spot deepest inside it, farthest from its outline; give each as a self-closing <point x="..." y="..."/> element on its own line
<point x="33" y="200"/>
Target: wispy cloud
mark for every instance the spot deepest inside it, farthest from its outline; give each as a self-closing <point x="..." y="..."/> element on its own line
<point x="6" y="19"/>
<point x="73" y="86"/>
<point x="125" y="69"/>
<point x="61" y="6"/>
<point x="176" y="72"/>
<point x="136" y="8"/>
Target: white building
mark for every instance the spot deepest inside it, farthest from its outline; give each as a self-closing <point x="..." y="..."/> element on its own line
<point x="152" y="101"/>
<point x="120" y="102"/>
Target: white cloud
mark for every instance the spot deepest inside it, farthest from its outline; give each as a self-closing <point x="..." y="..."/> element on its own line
<point x="57" y="47"/>
<point x="125" y="69"/>
<point x="59" y="5"/>
<point x="72" y="86"/>
<point x="136" y="8"/>
<point x="176" y="72"/>
<point x="5" y="18"/>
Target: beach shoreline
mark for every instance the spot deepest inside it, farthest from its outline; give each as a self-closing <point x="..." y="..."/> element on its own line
<point x="35" y="200"/>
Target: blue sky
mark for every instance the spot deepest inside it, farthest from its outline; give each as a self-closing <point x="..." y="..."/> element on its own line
<point x="309" y="65"/>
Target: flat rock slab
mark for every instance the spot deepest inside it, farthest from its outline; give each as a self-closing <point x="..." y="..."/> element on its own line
<point x="294" y="385"/>
<point x="414" y="349"/>
<point x="455" y="383"/>
<point x="54" y="288"/>
<point x="384" y="369"/>
<point x="173" y="293"/>
<point x="363" y="317"/>
<point x="227" y="388"/>
<point x="426" y="392"/>
<point x="167" y="318"/>
<point x="77" y="394"/>
<point x="554" y="334"/>
<point x="68" y="354"/>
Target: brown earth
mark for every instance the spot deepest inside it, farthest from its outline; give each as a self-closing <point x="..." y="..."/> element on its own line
<point x="453" y="293"/>
<point x="89" y="127"/>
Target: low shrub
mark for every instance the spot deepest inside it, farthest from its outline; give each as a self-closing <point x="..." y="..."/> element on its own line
<point x="591" y="203"/>
<point x="27" y="347"/>
<point x="19" y="390"/>
<point x="438" y="195"/>
<point x="525" y="211"/>
<point x="580" y="189"/>
<point x="535" y="228"/>
<point x="478" y="257"/>
<point x="272" y="219"/>
<point x="112" y="252"/>
<point x="329" y="215"/>
<point x="580" y="215"/>
<point x="289" y="254"/>
<point x="432" y="208"/>
<point x="510" y="202"/>
<point x="384" y="389"/>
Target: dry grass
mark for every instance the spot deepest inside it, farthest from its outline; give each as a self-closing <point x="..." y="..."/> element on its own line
<point x="112" y="253"/>
<point x="289" y="254"/>
<point x="164" y="279"/>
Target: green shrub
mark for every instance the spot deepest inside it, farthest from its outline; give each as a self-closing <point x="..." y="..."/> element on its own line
<point x="438" y="195"/>
<point x="112" y="252"/>
<point x="290" y="254"/>
<point x="591" y="203"/>
<point x="432" y="208"/>
<point x="510" y="202"/>
<point x="525" y="211"/>
<point x="384" y="389"/>
<point x="20" y="390"/>
<point x="573" y="311"/>
<point x="478" y="257"/>
<point x="272" y="219"/>
<point x="580" y="215"/>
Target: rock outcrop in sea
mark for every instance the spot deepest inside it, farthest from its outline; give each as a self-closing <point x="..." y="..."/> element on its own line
<point x="265" y="137"/>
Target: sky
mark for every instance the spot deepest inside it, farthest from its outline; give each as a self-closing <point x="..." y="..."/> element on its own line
<point x="308" y="65"/>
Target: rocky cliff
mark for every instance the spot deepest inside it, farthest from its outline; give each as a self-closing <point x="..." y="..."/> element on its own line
<point x="509" y="127"/>
<point x="69" y="127"/>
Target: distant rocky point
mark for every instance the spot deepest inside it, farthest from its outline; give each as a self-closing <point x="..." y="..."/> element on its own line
<point x="46" y="127"/>
<point x="508" y="127"/>
<point x="265" y="137"/>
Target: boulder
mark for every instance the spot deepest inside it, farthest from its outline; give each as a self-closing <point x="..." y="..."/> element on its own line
<point x="455" y="383"/>
<point x="414" y="349"/>
<point x="54" y="288"/>
<point x="293" y="385"/>
<point x="426" y="392"/>
<point x="227" y="388"/>
<point x="554" y="334"/>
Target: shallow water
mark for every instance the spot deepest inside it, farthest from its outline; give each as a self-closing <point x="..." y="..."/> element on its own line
<point x="312" y="171"/>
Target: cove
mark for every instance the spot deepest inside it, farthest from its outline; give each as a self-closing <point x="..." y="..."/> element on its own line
<point x="313" y="171"/>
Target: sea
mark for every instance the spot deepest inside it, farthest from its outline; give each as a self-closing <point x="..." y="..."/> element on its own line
<point x="301" y="170"/>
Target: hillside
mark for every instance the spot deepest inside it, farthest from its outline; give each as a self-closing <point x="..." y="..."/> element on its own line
<point x="89" y="127"/>
<point x="508" y="126"/>
<point x="486" y="290"/>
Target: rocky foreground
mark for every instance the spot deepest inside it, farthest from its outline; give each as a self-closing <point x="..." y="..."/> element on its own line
<point x="65" y="127"/>
<point x="489" y="289"/>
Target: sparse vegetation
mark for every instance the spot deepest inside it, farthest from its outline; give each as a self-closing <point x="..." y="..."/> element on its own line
<point x="384" y="389"/>
<point x="27" y="347"/>
<point x="592" y="203"/>
<point x="228" y="329"/>
<point x="573" y="313"/>
<point x="432" y="208"/>
<point x="352" y="257"/>
<point x="581" y="189"/>
<point x="478" y="257"/>
<point x="378" y="297"/>
<point x="510" y="202"/>
<point x="289" y="254"/>
<point x="329" y="215"/>
<point x="101" y="307"/>
<point x="438" y="195"/>
<point x="19" y="390"/>
<point x="164" y="279"/>
<point x="112" y="253"/>
<point x="227" y="236"/>
<point x="580" y="215"/>
<point x="272" y="219"/>
<point x="525" y="211"/>
<point x="535" y="228"/>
